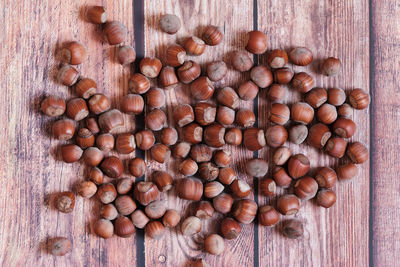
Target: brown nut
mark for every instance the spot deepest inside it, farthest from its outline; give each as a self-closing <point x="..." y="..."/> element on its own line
<point x="65" y="202"/>
<point x="327" y="113"/>
<point x="168" y="78"/>
<point x="277" y="58"/>
<point x="336" y="147"/>
<point x="281" y="177"/>
<point x="132" y="104"/>
<point x="155" y="230"/>
<point x="281" y="155"/>
<point x="103" y="228"/>
<point x="233" y="136"/>
<point x="163" y="180"/>
<point x="359" y="99"/>
<point x="276" y="93"/>
<point x="306" y="188"/>
<point x="125" y="143"/>
<point x="155" y="210"/>
<point x="302" y="112"/>
<point x="124" y="227"/>
<point x="288" y="204"/>
<point x="326" y="198"/>
<point x="190" y="188"/>
<point x="111" y="121"/>
<point x="213" y="189"/>
<point x="84" y="138"/>
<point x="345" y="111"/>
<point x="331" y="66"/>
<point x="267" y="187"/>
<point x="240" y="188"/>
<point x="145" y="139"/>
<point x="245" y="117"/>
<point x="316" y="97"/>
<point x="222" y="158"/>
<point x="257" y="42"/>
<point x="59" y="246"/>
<point x="175" y="55"/>
<point x="96" y="175"/>
<point x="254" y="139"/>
<point x="344" y="128"/>
<point x="139" y="219"/>
<point x="208" y="171"/>
<point x="96" y="14"/>
<point x="298" y="133"/>
<point x="336" y="96"/>
<point x="107" y="193"/>
<point x="150" y="67"/>
<point x="71" y="153"/>
<point x="192" y="133"/>
<point x="92" y="156"/>
<point x="171" y="218"/>
<point x="214" y="135"/>
<point x="256" y="167"/>
<point x="216" y="70"/>
<point x="170" y="23"/>
<point x="155" y="119"/>
<point x="212" y="35"/>
<point x="125" y="204"/>
<point x="357" y="152"/>
<point x="326" y="177"/>
<point x="283" y="75"/>
<point x="204" y="210"/>
<point x="86" y="189"/>
<point x="194" y="46"/>
<point x="225" y="115"/>
<point x="53" y="106"/>
<point x="181" y="150"/>
<point x="126" y="55"/>
<point x="155" y="98"/>
<point x="279" y="113"/>
<point x="214" y="244"/>
<point x="223" y="203"/>
<point x="347" y="171"/>
<point x="188" y="72"/>
<point x="267" y="215"/>
<point x="160" y="153"/>
<point x="227" y="175"/>
<point x="124" y="185"/>
<point x="138" y="84"/>
<point x="202" y="88"/>
<point x="303" y="82"/>
<point x="261" y="76"/>
<point x="112" y="167"/>
<point x="145" y="192"/>
<point x="188" y="167"/>
<point x="190" y="226"/>
<point x="318" y="135"/>
<point x="105" y="142"/>
<point x="301" y="56"/>
<point x="68" y="75"/>
<point x="200" y="153"/>
<point x="230" y="229"/>
<point x="169" y="136"/>
<point x="183" y="114"/>
<point x="205" y="113"/>
<point x="245" y="210"/>
<point x="115" y="32"/>
<point x="228" y="97"/>
<point x="241" y="61"/>
<point x="247" y="91"/>
<point x="99" y="103"/>
<point x="298" y="166"/>
<point x="276" y="135"/>
<point x="109" y="212"/>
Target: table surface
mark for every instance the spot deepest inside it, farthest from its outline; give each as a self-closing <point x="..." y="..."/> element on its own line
<point x="361" y="229"/>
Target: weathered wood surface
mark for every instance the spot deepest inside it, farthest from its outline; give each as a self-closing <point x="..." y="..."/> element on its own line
<point x="361" y="229"/>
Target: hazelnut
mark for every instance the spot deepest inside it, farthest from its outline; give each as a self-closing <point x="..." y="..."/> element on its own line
<point x="169" y="136"/>
<point x="267" y="215"/>
<point x="277" y="93"/>
<point x="298" y="133"/>
<point x="230" y="229"/>
<point x="125" y="205"/>
<point x="84" y="138"/>
<point x="240" y="188"/>
<point x="277" y="58"/>
<point x="344" y="128"/>
<point x="202" y="88"/>
<point x="359" y="99"/>
<point x="326" y="177"/>
<point x="99" y="103"/>
<point x="261" y="76"/>
<point x="205" y="113"/>
<point x="112" y="167"/>
<point x="318" y="135"/>
<point x="126" y="55"/>
<point x="192" y="133"/>
<point x="190" y="226"/>
<point x="212" y="35"/>
<point x="226" y="175"/>
<point x="331" y="66"/>
<point x="326" y="198"/>
<point x="208" y="171"/>
<point x="103" y="228"/>
<point x="145" y="192"/>
<point x="68" y="75"/>
<point x="357" y="152"/>
<point x="292" y="229"/>
<point x="298" y="166"/>
<point x="107" y="193"/>
<point x="257" y="42"/>
<point x="245" y="210"/>
<point x="214" y="244"/>
<point x="188" y="167"/>
<point x="71" y="153"/>
<point x="200" y="153"/>
<point x="91" y="124"/>
<point x="281" y="177"/>
<point x="125" y="143"/>
<point x="283" y="75"/>
<point x="170" y="23"/>
<point x="267" y="187"/>
<point x="233" y="136"/>
<point x="124" y="185"/>
<point x="160" y="153"/>
<point x="109" y="212"/>
<point x="138" y="84"/>
<point x="225" y="115"/>
<point x="216" y="70"/>
<point x="139" y="219"/>
<point x="155" y="210"/>
<point x="301" y="56"/>
<point x="168" y="78"/>
<point x="223" y="203"/>
<point x="345" y="111"/>
<point x="124" y="227"/>
<point x="247" y="91"/>
<point x="183" y="114"/>
<point x="132" y="104"/>
<point x="204" y="210"/>
<point x="194" y="46"/>
<point x="111" y="121"/>
<point x="65" y="202"/>
<point x="115" y="32"/>
<point x="302" y="112"/>
<point x="171" y="218"/>
<point x="86" y="189"/>
<point x="96" y="175"/>
<point x="281" y="155"/>
<point x="155" y="98"/>
<point x="188" y="72"/>
<point x="279" y="113"/>
<point x="175" y="55"/>
<point x="73" y="53"/>
<point x="150" y="67"/>
<point x="59" y="246"/>
<point x="190" y="188"/>
<point x="145" y="139"/>
<point x="241" y="61"/>
<point x="276" y="135"/>
<point x="288" y="204"/>
<point x="256" y="167"/>
<point x="213" y="189"/>
<point x="105" y="142"/>
<point x="92" y="156"/>
<point x="306" y="187"/>
<point x="96" y="14"/>
<point x="155" y="119"/>
<point x="163" y="180"/>
<point x="336" y="147"/>
<point x="302" y="82"/>
<point x="214" y="135"/>
<point x="336" y="96"/>
<point x="316" y="97"/>
<point x="228" y="97"/>
<point x="347" y="171"/>
<point x="327" y="113"/>
<point x="222" y="158"/>
<point x="53" y="106"/>
<point x="181" y="150"/>
<point x="245" y="117"/>
<point x="254" y="139"/>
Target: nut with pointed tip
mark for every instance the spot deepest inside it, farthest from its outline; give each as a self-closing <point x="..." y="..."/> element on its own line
<point x="245" y="117"/>
<point x="227" y="175"/>
<point x="276" y="135"/>
<point x="150" y="67"/>
<point x="306" y="188"/>
<point x="194" y="46"/>
<point x="245" y="210"/>
<point x="331" y="66"/>
<point x="84" y="138"/>
<point x="87" y="189"/>
<point x="115" y="32"/>
<point x="336" y="147"/>
<point x="155" y="98"/>
<point x="277" y="58"/>
<point x="132" y="104"/>
<point x="318" y="135"/>
<point x="190" y="226"/>
<point x="188" y="167"/>
<point x="316" y="97"/>
<point x="68" y="75"/>
<point x="202" y="88"/>
<point x="257" y="42"/>
<point x="171" y="218"/>
<point x="155" y="119"/>
<point x="277" y="93"/>
<point x="298" y="166"/>
<point x="205" y="113"/>
<point x="168" y="78"/>
<point x="169" y="136"/>
<point x="301" y="56"/>
<point x="303" y="82"/>
<point x="241" y="61"/>
<point x="233" y="136"/>
<point x="216" y="70"/>
<point x="126" y="55"/>
<point x="192" y="133"/>
<point x="125" y="143"/>
<point x="298" y="133"/>
<point x="53" y="106"/>
<point x="63" y="129"/>
<point x="267" y="215"/>
<point x="160" y="153"/>
<point x="213" y="189"/>
<point x="96" y="14"/>
<point x="138" y="84"/>
<point x="181" y="150"/>
<point x="107" y="193"/>
<point x="91" y="124"/>
<point x="336" y="96"/>
<point x="111" y="121"/>
<point x="214" y="244"/>
<point x="103" y="228"/>
<point x="357" y="152"/>
<point x="302" y="112"/>
<point x="288" y="204"/>
<point x="112" y="167"/>
<point x="125" y="205"/>
<point x="223" y="203"/>
<point x="326" y="177"/>
<point x="240" y="188"/>
<point x="267" y="187"/>
<point x="145" y="139"/>
<point x="92" y="156"/>
<point x="212" y="35"/>
<point x="254" y="139"/>
<point x="222" y="158"/>
<point x="109" y="212"/>
<point x="71" y="153"/>
<point x="204" y="210"/>
<point x="247" y="91"/>
<point x="214" y="135"/>
<point x="281" y="155"/>
<point x="183" y="114"/>
<point x="65" y="202"/>
<point x="256" y="167"/>
<point x="156" y="209"/>
<point x="105" y="142"/>
<point x="163" y="180"/>
<point x="279" y="113"/>
<point x="139" y="219"/>
<point x="261" y="76"/>
<point x="96" y="175"/>
<point x="125" y="185"/>
<point x="124" y="227"/>
<point x="347" y="171"/>
<point x="326" y="198"/>
<point x="359" y="99"/>
<point x="344" y="128"/>
<point x="188" y="72"/>
<point x="230" y="229"/>
<point x="175" y="55"/>
<point x="73" y="53"/>
<point x="99" y="103"/>
<point x="190" y="188"/>
<point x="281" y="177"/>
<point x="327" y="113"/>
<point x="225" y="115"/>
<point x="145" y="192"/>
<point x="345" y="111"/>
<point x="283" y="75"/>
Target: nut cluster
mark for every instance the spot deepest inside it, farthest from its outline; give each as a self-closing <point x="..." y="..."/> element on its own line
<point x="203" y="131"/>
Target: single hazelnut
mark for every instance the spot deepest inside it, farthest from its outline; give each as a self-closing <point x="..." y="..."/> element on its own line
<point x="124" y="227"/>
<point x="103" y="228"/>
<point x="216" y="70"/>
<point x="181" y="150"/>
<point x="155" y="230"/>
<point x="125" y="205"/>
<point x="115" y="32"/>
<point x="169" y="136"/>
<point x="190" y="226"/>
<point x="298" y="133"/>
<point x="65" y="202"/>
<point x="156" y="210"/>
<point x="292" y="228"/>
<point x="267" y="215"/>
<point x="71" y="153"/>
<point x="276" y="135"/>
<point x="347" y="171"/>
<point x="331" y="66"/>
<point x="175" y="55"/>
<point x="301" y="56"/>
<point x="230" y="229"/>
<point x="254" y="139"/>
<point x="53" y="106"/>
<point x="357" y="152"/>
<point x="228" y="97"/>
<point x="344" y="128"/>
<point x="92" y="156"/>
<point x="112" y="167"/>
<point x="171" y="218"/>
<point x="96" y="175"/>
<point x="126" y="55"/>
<point x="316" y="97"/>
<point x="359" y="99"/>
<point x="318" y="135"/>
<point x="194" y="46"/>
<point x="283" y="75"/>
<point x="240" y="188"/>
<point x="73" y="53"/>
<point x="124" y="185"/>
<point x="247" y="91"/>
<point x="105" y="142"/>
<point x="99" y="103"/>
<point x="155" y="119"/>
<point x="132" y="104"/>
<point x="214" y="244"/>
<point x="163" y="180"/>
<point x="188" y="167"/>
<point x="125" y="143"/>
<point x="245" y="210"/>
<point x="327" y="113"/>
<point x="111" y="121"/>
<point x="226" y="175"/>
<point x="277" y="58"/>
<point x="183" y="114"/>
<point x="245" y="117"/>
<point x="145" y="192"/>
<point x="279" y="113"/>
<point x="139" y="219"/>
<point x="96" y="14"/>
<point x="261" y="76"/>
<point x="188" y="72"/>
<point x="213" y="189"/>
<point x="233" y="136"/>
<point x="298" y="166"/>
<point x="192" y="133"/>
<point x="212" y="35"/>
<point x="214" y="135"/>
<point x="107" y="193"/>
<point x="109" y="212"/>
<point x="68" y="75"/>
<point x="167" y="78"/>
<point x="336" y="96"/>
<point x="336" y="147"/>
<point x="302" y="112"/>
<point x="202" y="88"/>
<point x="326" y="198"/>
<point x="256" y="167"/>
<point x="204" y="210"/>
<point x="281" y="155"/>
<point x="257" y="42"/>
<point x="277" y="93"/>
<point x="205" y="113"/>
<point x="150" y="67"/>
<point x="302" y="82"/>
<point x="91" y="124"/>
<point x="326" y="177"/>
<point x="145" y="139"/>
<point x="138" y="84"/>
<point x="170" y="23"/>
<point x="267" y="187"/>
<point x="288" y="204"/>
<point x="345" y="111"/>
<point x="306" y="188"/>
<point x="222" y="158"/>
<point x="281" y="177"/>
<point x="225" y="115"/>
<point x="223" y="203"/>
<point x="86" y="189"/>
<point x="190" y="188"/>
<point x="160" y="153"/>
<point x="208" y="171"/>
<point x="155" y="98"/>
<point x="241" y="61"/>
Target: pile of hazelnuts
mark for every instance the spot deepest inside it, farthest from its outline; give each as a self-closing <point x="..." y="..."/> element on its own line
<point x="202" y="130"/>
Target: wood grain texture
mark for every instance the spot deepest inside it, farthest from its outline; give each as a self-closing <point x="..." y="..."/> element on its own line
<point x="385" y="69"/>
<point x="31" y="169"/>
<point x="175" y="249"/>
<point x="337" y="236"/>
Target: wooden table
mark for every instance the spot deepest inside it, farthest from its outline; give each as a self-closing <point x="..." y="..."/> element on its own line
<point x="360" y="230"/>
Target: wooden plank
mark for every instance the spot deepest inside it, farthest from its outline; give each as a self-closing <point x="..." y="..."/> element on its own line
<point x="384" y="135"/>
<point x="337" y="236"/>
<point x="31" y="170"/>
<point x="175" y="249"/>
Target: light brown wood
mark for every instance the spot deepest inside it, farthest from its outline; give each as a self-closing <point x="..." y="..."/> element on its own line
<point x="174" y="248"/>
<point x="337" y="236"/>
